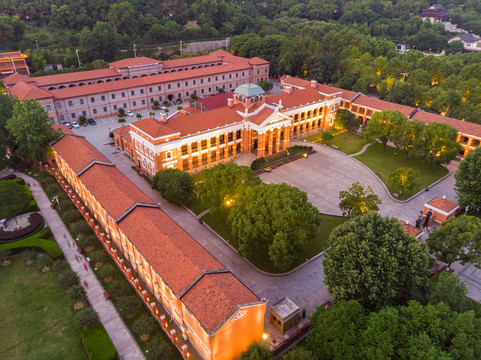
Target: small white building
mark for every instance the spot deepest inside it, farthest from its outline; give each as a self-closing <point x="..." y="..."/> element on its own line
<point x="470" y="42"/>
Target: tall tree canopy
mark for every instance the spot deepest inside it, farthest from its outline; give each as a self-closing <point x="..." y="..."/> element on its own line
<point x="174" y="185"/>
<point x="371" y="258"/>
<point x="358" y="200"/>
<point x="31" y="130"/>
<point x="468" y="181"/>
<point x="13" y="198"/>
<point x="383" y="124"/>
<point x="274" y="216"/>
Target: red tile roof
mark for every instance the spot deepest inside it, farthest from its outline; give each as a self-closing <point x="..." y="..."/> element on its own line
<point x="296" y="98"/>
<point x="215" y="296"/>
<point x="15" y="78"/>
<point x="261" y="116"/>
<point x="174" y="255"/>
<point x="295" y="82"/>
<point x="409" y="229"/>
<point x="122" y="130"/>
<point x="216" y="101"/>
<point x="257" y="61"/>
<point x="65" y="130"/>
<point x="214" y="56"/>
<point x="27" y="91"/>
<point x="376" y="104"/>
<point x="203" y="121"/>
<point x="137" y="61"/>
<point x="442" y="204"/>
<point x="153" y="128"/>
<point x="77" y="151"/>
<point x="115" y="192"/>
<point x="60" y="79"/>
<point x="464" y="127"/>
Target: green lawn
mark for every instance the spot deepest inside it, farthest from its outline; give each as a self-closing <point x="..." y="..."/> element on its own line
<point x="37" y="317"/>
<point x="348" y="143"/>
<point x="384" y="164"/>
<point x="260" y="258"/>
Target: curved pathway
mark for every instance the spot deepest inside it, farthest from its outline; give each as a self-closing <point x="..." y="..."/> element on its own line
<point x="122" y="339"/>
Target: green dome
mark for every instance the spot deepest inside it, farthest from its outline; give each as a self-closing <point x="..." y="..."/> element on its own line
<point x="249" y="91"/>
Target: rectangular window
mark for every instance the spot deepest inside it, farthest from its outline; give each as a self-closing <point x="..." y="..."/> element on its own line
<point x="201" y="81"/>
<point x="236" y="74"/>
<point x="230" y="136"/>
<point x="160" y="98"/>
<point x="92" y="100"/>
<point x="187" y="93"/>
<point x="212" y="141"/>
<point x="115" y="107"/>
<point x="230" y="76"/>
<point x="216" y="78"/>
<point x="150" y="89"/>
<point x="84" y="113"/>
<point x="141" y="91"/>
<point x="103" y="97"/>
<point x="178" y="85"/>
<point x="168" y="86"/>
<point x="223" y="77"/>
<point x="132" y="92"/>
<point x="208" y="79"/>
<point x="202" y="91"/>
<point x="70" y="103"/>
<point x="193" y="147"/>
<point x="48" y="107"/>
<point x="134" y="103"/>
<point x="95" y="111"/>
<point x="210" y="89"/>
<point x="81" y="101"/>
<point x="59" y="105"/>
<point x="73" y="115"/>
<point x="113" y="96"/>
<point x="62" y="117"/>
<point x="151" y="100"/>
<point x="193" y="82"/>
<point x="243" y="73"/>
<point x="186" y="83"/>
<point x="143" y="102"/>
<point x="159" y="88"/>
<point x="238" y="134"/>
<point x="124" y="106"/>
<point x="221" y="139"/>
<point x="105" y="109"/>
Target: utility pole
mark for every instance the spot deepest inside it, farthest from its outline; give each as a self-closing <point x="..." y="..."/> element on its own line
<point x="227" y="43"/>
<point x="135" y="51"/>
<point x="78" y="59"/>
<point x="180" y="48"/>
<point x="36" y="42"/>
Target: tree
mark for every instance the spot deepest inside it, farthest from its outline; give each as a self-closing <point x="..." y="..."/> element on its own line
<point x="151" y="114"/>
<point x="260" y="220"/>
<point x="346" y="120"/>
<point x="468" y="181"/>
<point x="326" y="136"/>
<point x="77" y="293"/>
<point x="121" y="120"/>
<point x="458" y="239"/>
<point x="174" y="185"/>
<point x="383" y="124"/>
<point x="6" y="112"/>
<point x="358" y="200"/>
<point x="223" y="183"/>
<point x="256" y="351"/>
<point x="67" y="279"/>
<point x="144" y="325"/>
<point x="102" y="42"/>
<point x="450" y="290"/>
<point x="437" y="144"/>
<point x="122" y="16"/>
<point x="159" y="348"/>
<point x="138" y="116"/>
<point x="297" y="353"/>
<point x="404" y="179"/>
<point x="31" y="130"/>
<point x="403" y="137"/>
<point x="100" y="64"/>
<point x="371" y="258"/>
<point x="335" y="334"/>
<point x="129" y="305"/>
<point x="265" y="85"/>
<point x="86" y="318"/>
<point x="456" y="46"/>
<point x="14" y="199"/>
<point x="121" y="112"/>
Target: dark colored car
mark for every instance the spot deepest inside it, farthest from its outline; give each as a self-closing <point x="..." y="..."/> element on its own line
<point x="92" y="122"/>
<point x="67" y="124"/>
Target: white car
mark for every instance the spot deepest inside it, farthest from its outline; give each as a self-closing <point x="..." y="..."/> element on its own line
<point x="163" y="107"/>
<point x="75" y="125"/>
<point x="129" y="113"/>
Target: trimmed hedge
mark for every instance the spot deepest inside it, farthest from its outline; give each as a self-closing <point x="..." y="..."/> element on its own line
<point x="262" y="162"/>
<point x="8" y="177"/>
<point x="97" y="343"/>
<point x="36" y="242"/>
<point x="36" y="222"/>
<point x="299" y="149"/>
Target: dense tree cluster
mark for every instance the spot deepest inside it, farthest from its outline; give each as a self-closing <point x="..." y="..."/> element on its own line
<point x="468" y="181"/>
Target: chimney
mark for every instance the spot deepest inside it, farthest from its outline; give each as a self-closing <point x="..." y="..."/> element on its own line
<point x="444" y="197"/>
<point x="314" y="84"/>
<point x="230" y="102"/>
<point x="163" y="117"/>
<point x="288" y="89"/>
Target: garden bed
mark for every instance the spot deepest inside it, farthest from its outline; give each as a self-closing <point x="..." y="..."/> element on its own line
<point x="271" y="162"/>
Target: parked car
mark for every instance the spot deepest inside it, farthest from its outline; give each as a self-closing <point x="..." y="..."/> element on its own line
<point x="129" y="113"/>
<point x="91" y="122"/>
<point x="163" y="107"/>
<point x="75" y="125"/>
<point x="67" y="124"/>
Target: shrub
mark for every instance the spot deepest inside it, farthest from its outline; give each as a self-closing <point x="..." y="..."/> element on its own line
<point x="80" y="228"/>
<point x="158" y="348"/>
<point x="43" y="260"/>
<point x="129" y="305"/>
<point x="299" y="149"/>
<point x="70" y="216"/>
<point x="106" y="271"/>
<point x="51" y="189"/>
<point x="67" y="279"/>
<point x="19" y="180"/>
<point x="77" y="293"/>
<point x="174" y="185"/>
<point x="87" y="241"/>
<point x="32" y="206"/>
<point x="326" y="136"/>
<point x="258" y="163"/>
<point x="97" y="256"/>
<point x="86" y="317"/>
<point x="144" y="325"/>
<point x="179" y="107"/>
<point x="97" y="343"/>
<point x="118" y="288"/>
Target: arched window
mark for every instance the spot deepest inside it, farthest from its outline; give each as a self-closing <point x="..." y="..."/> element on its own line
<point x="168" y="155"/>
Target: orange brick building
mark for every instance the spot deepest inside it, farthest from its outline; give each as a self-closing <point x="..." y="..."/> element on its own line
<point x="219" y="315"/>
<point x="13" y="62"/>
<point x="248" y="122"/>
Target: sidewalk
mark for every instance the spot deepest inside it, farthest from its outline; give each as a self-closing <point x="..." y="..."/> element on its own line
<point x="122" y="339"/>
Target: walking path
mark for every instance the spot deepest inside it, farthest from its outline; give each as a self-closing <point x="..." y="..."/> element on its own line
<point x="122" y="339"/>
<point x="362" y="150"/>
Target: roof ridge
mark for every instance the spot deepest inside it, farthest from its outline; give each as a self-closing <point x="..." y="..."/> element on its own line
<point x="132" y="208"/>
<point x="65" y="134"/>
<point x="200" y="276"/>
<point x="356" y="96"/>
<point x="92" y="163"/>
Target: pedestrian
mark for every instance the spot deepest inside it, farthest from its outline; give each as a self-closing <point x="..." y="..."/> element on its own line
<point x="428" y="216"/>
<point x="68" y="244"/>
<point x="86" y="284"/>
<point x="85" y="267"/>
<point x="419" y="221"/>
<point x="77" y="258"/>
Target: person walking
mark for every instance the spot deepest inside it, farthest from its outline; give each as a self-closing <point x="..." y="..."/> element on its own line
<point x="86" y="284"/>
<point x="428" y="216"/>
<point x="86" y="267"/>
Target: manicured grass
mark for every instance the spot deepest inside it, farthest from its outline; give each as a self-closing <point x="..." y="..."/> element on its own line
<point x="37" y="317"/>
<point x="98" y="344"/>
<point x="384" y="164"/>
<point x="196" y="206"/>
<point x="260" y="258"/>
<point x="348" y="143"/>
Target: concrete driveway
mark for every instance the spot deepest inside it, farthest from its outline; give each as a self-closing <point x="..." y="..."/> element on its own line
<point x="324" y="174"/>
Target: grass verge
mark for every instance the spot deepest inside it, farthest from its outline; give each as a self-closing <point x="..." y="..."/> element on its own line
<point x="37" y="317"/>
<point x="37" y="241"/>
<point x="97" y="343"/>
<point x="384" y="164"/>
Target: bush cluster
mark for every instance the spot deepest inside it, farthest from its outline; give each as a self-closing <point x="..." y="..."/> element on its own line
<point x="36" y="222"/>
